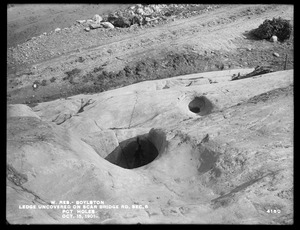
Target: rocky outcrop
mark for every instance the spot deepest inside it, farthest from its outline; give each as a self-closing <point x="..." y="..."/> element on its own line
<point x="205" y="153"/>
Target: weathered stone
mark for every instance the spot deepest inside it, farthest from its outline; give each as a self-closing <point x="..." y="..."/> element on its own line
<point x="95" y="26"/>
<point x="274" y="38"/>
<point x="81" y="21"/>
<point x="147" y="19"/>
<point x="140" y="11"/>
<point x="97" y="18"/>
<point x="89" y="21"/>
<point x="148" y="11"/>
<point x="107" y="25"/>
<point x="137" y="20"/>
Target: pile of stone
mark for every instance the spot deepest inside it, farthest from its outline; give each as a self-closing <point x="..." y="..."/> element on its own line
<point x="95" y="23"/>
<point x="145" y="14"/>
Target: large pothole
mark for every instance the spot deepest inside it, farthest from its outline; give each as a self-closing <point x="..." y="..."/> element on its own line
<point x="138" y="151"/>
<point x="201" y="105"/>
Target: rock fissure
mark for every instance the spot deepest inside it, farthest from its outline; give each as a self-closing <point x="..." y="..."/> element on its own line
<point x="133" y="111"/>
<point x="18" y="180"/>
<point x="84" y="104"/>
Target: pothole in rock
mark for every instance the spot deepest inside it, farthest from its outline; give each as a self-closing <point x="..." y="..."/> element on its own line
<point x="201" y="105"/>
<point x="137" y="151"/>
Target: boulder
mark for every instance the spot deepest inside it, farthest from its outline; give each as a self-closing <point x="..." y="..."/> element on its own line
<point x="156" y="8"/>
<point x="81" y="21"/>
<point x="274" y="38"/>
<point x="90" y="21"/>
<point x="140" y="11"/>
<point x="97" y="18"/>
<point x="147" y="19"/>
<point x="148" y="10"/>
<point x="95" y="26"/>
<point x="107" y="25"/>
<point x="57" y="30"/>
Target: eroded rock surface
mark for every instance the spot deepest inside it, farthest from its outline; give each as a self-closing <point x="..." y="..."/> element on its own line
<point x="229" y="159"/>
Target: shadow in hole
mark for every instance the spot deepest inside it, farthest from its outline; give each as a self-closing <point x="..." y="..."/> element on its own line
<point x="201" y="105"/>
<point x="133" y="153"/>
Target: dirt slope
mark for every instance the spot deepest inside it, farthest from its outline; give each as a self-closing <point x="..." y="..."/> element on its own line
<point x="213" y="40"/>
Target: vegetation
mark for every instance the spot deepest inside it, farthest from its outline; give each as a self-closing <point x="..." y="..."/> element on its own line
<point x="278" y="26"/>
<point x="72" y="73"/>
<point x="44" y="82"/>
<point x="52" y="79"/>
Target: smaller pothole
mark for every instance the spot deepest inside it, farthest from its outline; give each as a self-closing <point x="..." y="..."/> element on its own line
<point x="201" y="105"/>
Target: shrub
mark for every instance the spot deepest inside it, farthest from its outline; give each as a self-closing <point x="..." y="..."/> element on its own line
<point x="111" y="75"/>
<point x="103" y="74"/>
<point x="80" y="59"/>
<point x="278" y="26"/>
<point x="44" y="82"/>
<point x="97" y="69"/>
<point x="73" y="72"/>
<point x="127" y="69"/>
<point x="121" y="74"/>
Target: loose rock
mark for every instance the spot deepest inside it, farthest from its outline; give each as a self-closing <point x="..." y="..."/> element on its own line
<point x="89" y="21"/>
<point x="107" y="25"/>
<point x="140" y="11"/>
<point x="95" y="26"/>
<point x="97" y="18"/>
<point x="274" y="38"/>
<point x="81" y="21"/>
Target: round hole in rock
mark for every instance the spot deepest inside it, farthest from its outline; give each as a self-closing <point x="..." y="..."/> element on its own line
<point x="133" y="153"/>
<point x="201" y="105"/>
